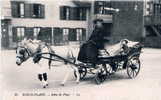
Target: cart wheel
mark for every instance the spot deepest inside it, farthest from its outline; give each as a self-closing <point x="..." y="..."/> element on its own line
<point x="102" y="75"/>
<point x="133" y="67"/>
<point x="82" y="72"/>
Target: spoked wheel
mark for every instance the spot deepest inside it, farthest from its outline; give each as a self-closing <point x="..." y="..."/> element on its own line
<point x="101" y="75"/>
<point x="133" y="67"/>
<point x="82" y="72"/>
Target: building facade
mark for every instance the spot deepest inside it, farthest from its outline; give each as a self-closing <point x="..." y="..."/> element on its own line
<point x="66" y="21"/>
<point x="138" y="20"/>
<point x="122" y="18"/>
<point x="152" y="23"/>
<point x="51" y="21"/>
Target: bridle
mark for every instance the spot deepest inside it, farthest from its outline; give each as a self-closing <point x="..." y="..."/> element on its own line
<point x="26" y="53"/>
<point x="26" y="50"/>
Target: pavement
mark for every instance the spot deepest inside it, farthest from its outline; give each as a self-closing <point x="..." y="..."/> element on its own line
<point x="20" y="82"/>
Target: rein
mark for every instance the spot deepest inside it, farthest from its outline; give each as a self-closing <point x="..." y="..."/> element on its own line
<point x="59" y="58"/>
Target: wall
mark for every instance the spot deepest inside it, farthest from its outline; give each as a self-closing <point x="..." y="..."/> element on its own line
<point x="51" y="19"/>
<point x="128" y="22"/>
<point x="154" y="42"/>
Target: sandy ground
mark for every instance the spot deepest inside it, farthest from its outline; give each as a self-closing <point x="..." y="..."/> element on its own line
<point x="22" y="80"/>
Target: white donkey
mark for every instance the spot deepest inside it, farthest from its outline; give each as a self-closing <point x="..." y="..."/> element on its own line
<point x="30" y="48"/>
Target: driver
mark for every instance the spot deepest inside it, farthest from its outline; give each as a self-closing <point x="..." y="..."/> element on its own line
<point x="97" y="34"/>
<point x="89" y="51"/>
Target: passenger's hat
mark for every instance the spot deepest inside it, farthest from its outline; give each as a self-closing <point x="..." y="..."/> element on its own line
<point x="97" y="20"/>
<point x="124" y="40"/>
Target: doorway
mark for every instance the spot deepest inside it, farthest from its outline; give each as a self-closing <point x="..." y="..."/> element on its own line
<point x="107" y="31"/>
<point x="5" y="33"/>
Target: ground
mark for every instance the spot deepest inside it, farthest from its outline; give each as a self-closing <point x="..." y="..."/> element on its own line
<point x="22" y="80"/>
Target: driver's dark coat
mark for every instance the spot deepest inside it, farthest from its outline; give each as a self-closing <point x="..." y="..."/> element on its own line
<point x="97" y="37"/>
<point x="89" y="51"/>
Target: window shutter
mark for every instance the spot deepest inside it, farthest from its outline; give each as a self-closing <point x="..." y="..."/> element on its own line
<point x="46" y="34"/>
<point x="31" y="10"/>
<point x="62" y="13"/>
<point x="61" y="34"/>
<point x="49" y="34"/>
<point x="27" y="10"/>
<point x="14" y="7"/>
<point x="42" y="11"/>
<point x="84" y="34"/>
<point x="77" y="15"/>
<point x="84" y="13"/>
<point x="96" y="7"/>
<point x="42" y="35"/>
<point x="55" y="35"/>
<point x="29" y="31"/>
<point x="58" y="35"/>
<point x="14" y="33"/>
<point x="36" y="8"/>
<point x="72" y="34"/>
<point x="73" y="13"/>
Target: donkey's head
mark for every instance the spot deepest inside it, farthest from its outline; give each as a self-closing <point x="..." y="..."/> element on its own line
<point x="25" y="50"/>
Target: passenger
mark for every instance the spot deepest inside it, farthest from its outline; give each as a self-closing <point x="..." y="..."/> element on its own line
<point x="124" y="45"/>
<point x="119" y="48"/>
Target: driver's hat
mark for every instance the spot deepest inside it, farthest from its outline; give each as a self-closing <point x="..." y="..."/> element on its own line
<point x="97" y="20"/>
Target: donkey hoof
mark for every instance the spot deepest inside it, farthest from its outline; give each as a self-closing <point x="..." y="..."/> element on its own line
<point x="44" y="86"/>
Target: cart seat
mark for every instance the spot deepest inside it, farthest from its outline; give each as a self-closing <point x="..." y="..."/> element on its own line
<point x="115" y="49"/>
<point x="108" y="59"/>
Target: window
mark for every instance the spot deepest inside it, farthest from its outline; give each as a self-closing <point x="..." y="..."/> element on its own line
<point x="101" y="10"/>
<point x="64" y="13"/>
<point x="18" y="9"/>
<point x="100" y="6"/>
<point x="81" y="13"/>
<point x="81" y="34"/>
<point x="26" y="10"/>
<point x="18" y="33"/>
<point x="148" y="8"/>
<point x="45" y="34"/>
<point x="37" y="10"/>
<point x="157" y="9"/>
<point x="77" y="34"/>
<point x="65" y="34"/>
<point x="72" y="13"/>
